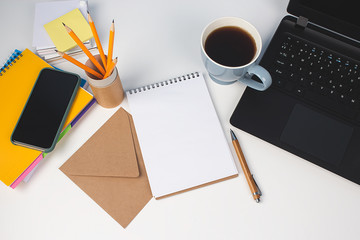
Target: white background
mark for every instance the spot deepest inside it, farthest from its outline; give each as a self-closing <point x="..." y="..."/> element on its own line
<point x="156" y="40"/>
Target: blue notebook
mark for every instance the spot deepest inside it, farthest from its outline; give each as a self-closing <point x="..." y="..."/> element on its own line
<point x="13" y="56"/>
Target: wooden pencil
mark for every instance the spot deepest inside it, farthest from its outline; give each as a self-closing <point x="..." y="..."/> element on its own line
<point x="111" y="44"/>
<point x="86" y="51"/>
<point x="79" y="64"/>
<point x="110" y="68"/>
<point x="97" y="40"/>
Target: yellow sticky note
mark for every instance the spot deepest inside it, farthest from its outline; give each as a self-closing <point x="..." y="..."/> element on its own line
<point x="61" y="39"/>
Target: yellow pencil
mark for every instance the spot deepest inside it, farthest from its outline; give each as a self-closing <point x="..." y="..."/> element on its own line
<point x="79" y="64"/>
<point x="86" y="51"/>
<point x="110" y="68"/>
<point x="111" y="44"/>
<point x="97" y="40"/>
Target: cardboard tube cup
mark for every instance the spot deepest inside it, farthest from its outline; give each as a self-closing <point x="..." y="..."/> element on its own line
<point x="108" y="92"/>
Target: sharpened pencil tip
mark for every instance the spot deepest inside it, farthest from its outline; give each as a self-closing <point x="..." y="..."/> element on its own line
<point x="88" y="12"/>
<point x="113" y="21"/>
<point x="56" y="50"/>
<point x="63" y="23"/>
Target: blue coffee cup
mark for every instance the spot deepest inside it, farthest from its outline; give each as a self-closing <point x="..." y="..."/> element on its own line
<point x="223" y="74"/>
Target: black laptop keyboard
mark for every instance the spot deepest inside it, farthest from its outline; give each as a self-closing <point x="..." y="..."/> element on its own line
<point x="318" y="75"/>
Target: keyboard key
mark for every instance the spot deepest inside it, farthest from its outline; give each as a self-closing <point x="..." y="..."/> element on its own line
<point x="280" y="62"/>
<point x="302" y="80"/>
<point x="354" y="103"/>
<point x="299" y="91"/>
<point x="279" y="82"/>
<point x="290" y="86"/>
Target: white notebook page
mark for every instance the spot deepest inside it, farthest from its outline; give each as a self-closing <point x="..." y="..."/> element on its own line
<point x="180" y="136"/>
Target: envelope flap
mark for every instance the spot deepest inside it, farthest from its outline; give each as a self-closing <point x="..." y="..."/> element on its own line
<point x="109" y="152"/>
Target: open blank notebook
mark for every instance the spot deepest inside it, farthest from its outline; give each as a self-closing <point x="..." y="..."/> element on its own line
<point x="180" y="136"/>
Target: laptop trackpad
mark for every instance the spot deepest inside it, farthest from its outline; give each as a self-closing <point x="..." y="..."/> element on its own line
<point x="316" y="134"/>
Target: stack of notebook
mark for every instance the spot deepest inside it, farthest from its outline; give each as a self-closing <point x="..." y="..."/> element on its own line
<point x="17" y="78"/>
<point x="49" y="34"/>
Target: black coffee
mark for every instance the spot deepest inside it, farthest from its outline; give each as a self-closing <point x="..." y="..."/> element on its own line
<point x="230" y="46"/>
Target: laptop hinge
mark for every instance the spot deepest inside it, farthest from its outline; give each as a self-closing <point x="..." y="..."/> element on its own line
<point x="302" y="22"/>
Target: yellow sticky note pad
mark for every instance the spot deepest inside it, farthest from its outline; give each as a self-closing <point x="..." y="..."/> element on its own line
<point x="61" y="39"/>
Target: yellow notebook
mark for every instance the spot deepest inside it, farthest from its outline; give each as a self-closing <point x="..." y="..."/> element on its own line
<point x="16" y="83"/>
<point x="61" y="39"/>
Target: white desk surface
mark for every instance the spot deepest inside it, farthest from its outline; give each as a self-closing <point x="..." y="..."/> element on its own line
<point x="156" y="40"/>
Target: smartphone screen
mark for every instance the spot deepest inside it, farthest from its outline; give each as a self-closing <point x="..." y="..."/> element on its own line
<point x="46" y="109"/>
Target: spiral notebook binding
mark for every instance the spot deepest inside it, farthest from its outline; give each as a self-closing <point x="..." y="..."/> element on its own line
<point x="165" y="83"/>
<point x="11" y="61"/>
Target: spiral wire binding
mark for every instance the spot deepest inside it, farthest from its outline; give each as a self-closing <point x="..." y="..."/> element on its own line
<point x="11" y="60"/>
<point x="165" y="83"/>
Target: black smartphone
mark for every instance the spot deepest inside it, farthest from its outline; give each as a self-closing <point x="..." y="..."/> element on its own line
<point x="45" y="111"/>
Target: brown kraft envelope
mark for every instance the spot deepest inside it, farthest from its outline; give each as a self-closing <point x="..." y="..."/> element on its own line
<point x="109" y="168"/>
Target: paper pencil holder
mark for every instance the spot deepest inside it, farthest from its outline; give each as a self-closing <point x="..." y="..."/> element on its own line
<point x="108" y="92"/>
